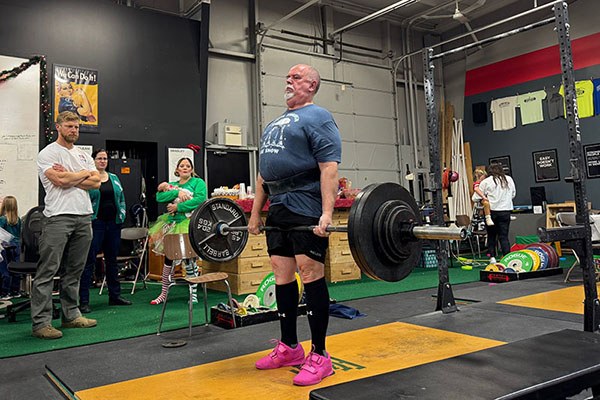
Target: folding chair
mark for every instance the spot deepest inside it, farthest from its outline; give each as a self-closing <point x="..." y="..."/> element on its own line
<point x="139" y="237"/>
<point x="27" y="266"/>
<point x="569" y="219"/>
<point x="473" y="232"/>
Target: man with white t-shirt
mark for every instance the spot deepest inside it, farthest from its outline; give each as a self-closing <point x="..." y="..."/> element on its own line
<point x="67" y="173"/>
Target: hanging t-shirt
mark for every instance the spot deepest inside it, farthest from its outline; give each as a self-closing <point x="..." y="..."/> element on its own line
<point x="596" y="83"/>
<point x="531" y="107"/>
<point x="585" y="98"/>
<point x="555" y="104"/>
<point x="503" y="113"/>
<point x="479" y="113"/>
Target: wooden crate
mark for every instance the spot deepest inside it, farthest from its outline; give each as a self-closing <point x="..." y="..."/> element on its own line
<point x="256" y="246"/>
<point x="241" y="265"/>
<point x="347" y="271"/>
<point x="240" y="283"/>
<point x="338" y="254"/>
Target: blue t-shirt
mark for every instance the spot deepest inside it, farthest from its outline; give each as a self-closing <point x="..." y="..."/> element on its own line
<point x="596" y="83"/>
<point x="296" y="142"/>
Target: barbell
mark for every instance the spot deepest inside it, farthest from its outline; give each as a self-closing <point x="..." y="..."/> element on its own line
<point x="384" y="230"/>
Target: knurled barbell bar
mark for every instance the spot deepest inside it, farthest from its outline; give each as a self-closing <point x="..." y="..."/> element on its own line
<point x="384" y="231"/>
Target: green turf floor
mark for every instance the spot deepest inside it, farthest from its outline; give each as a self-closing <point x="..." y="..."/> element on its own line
<point x="120" y="322"/>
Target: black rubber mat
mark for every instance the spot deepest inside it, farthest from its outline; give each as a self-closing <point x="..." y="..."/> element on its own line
<point x="550" y="366"/>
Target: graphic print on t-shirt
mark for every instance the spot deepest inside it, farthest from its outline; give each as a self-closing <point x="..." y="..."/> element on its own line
<point x="273" y="140"/>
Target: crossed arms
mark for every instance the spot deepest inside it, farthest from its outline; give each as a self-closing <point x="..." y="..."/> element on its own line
<point x="84" y="179"/>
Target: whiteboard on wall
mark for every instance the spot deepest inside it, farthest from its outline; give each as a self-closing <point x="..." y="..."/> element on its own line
<point x="176" y="155"/>
<point x="19" y="133"/>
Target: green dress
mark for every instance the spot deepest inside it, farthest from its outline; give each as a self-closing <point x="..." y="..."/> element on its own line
<point x="178" y="222"/>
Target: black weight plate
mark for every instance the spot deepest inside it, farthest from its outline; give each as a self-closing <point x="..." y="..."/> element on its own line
<point x="383" y="260"/>
<point x="206" y="239"/>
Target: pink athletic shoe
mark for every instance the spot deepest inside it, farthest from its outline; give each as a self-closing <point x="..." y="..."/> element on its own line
<point x="282" y="356"/>
<point x="315" y="368"/>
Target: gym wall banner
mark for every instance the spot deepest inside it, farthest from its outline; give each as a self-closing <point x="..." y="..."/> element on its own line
<point x="76" y="89"/>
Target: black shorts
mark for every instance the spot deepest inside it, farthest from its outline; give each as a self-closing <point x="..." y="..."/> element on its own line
<point x="289" y="244"/>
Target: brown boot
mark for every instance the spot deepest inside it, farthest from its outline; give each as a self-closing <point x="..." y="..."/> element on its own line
<point x="47" y="332"/>
<point x="80" y="322"/>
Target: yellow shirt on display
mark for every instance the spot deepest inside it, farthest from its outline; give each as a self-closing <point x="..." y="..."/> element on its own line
<point x="585" y="98"/>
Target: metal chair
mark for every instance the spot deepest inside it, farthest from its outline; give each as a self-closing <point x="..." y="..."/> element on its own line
<point x="473" y="231"/>
<point x="139" y="237"/>
<point x="569" y="219"/>
<point x="177" y="247"/>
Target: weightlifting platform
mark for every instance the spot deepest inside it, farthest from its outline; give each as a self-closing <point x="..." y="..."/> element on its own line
<point x="550" y="366"/>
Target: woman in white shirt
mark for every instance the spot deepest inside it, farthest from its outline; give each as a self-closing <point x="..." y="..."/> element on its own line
<point x="500" y="190"/>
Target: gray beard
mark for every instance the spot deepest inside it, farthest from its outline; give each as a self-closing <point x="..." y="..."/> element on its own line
<point x="288" y="95"/>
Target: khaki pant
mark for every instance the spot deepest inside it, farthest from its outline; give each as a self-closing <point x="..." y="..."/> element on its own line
<point x="64" y="245"/>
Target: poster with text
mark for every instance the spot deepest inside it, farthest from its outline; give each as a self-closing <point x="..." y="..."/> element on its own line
<point x="76" y="90"/>
<point x="592" y="160"/>
<point x="545" y="164"/>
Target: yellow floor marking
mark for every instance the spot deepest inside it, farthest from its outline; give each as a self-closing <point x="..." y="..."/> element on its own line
<point x="566" y="300"/>
<point x="358" y="354"/>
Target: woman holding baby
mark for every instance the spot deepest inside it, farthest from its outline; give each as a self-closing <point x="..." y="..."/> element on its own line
<point x="182" y="197"/>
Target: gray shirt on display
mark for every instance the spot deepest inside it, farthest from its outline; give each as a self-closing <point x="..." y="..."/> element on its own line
<point x="555" y="104"/>
<point x="294" y="143"/>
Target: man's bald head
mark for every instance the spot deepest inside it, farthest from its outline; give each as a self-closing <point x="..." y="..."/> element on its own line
<point x="303" y="82"/>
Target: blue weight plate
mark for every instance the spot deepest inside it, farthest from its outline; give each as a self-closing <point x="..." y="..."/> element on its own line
<point x="542" y="254"/>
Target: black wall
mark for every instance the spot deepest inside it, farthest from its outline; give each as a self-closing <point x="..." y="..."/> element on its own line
<point x="520" y="142"/>
<point x="147" y="63"/>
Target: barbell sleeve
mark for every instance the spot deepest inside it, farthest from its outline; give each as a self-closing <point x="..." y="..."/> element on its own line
<point x="420" y="232"/>
<point x="439" y="232"/>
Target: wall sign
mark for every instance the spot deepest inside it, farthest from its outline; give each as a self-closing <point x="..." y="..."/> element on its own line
<point x="76" y="90"/>
<point x="504" y="161"/>
<point x="545" y="165"/>
<point x="592" y="160"/>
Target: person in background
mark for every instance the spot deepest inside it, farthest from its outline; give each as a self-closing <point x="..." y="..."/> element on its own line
<point x="478" y="196"/>
<point x="11" y="223"/>
<point x="298" y="173"/>
<point x="67" y="173"/>
<point x="182" y="197"/>
<point x="500" y="190"/>
<point x="110" y="211"/>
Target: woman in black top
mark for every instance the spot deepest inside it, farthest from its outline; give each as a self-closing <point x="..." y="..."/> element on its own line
<point x="108" y="204"/>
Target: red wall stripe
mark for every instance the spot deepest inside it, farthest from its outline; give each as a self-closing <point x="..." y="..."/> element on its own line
<point x="530" y="66"/>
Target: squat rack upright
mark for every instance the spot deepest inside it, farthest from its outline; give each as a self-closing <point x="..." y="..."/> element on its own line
<point x="578" y="237"/>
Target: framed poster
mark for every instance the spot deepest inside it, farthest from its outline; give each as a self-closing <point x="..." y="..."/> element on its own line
<point x="592" y="160"/>
<point x="545" y="165"/>
<point x="504" y="161"/>
<point x="76" y="90"/>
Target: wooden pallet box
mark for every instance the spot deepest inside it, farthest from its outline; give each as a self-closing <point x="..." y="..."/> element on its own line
<point x="348" y="271"/>
<point x="240" y="283"/>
